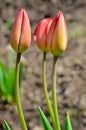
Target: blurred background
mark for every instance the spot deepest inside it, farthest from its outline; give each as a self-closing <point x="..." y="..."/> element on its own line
<point x="71" y="66"/>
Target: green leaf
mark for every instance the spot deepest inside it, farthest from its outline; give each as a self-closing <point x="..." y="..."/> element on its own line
<point x="11" y="57"/>
<point x="6" y="126"/>
<point x="2" y="66"/>
<point x="11" y="80"/>
<point x="67" y="125"/>
<point x="2" y="83"/>
<point x="7" y="81"/>
<point x="44" y="120"/>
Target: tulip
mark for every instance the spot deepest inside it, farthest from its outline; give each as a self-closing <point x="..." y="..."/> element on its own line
<point x="21" y="34"/>
<point x="41" y="32"/>
<point x="57" y="36"/>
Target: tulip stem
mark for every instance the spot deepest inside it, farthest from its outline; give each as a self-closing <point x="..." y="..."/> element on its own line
<point x="17" y="97"/>
<point x="54" y="101"/>
<point x="45" y="89"/>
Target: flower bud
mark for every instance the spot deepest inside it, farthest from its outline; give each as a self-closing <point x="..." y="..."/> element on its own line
<point x="41" y="32"/>
<point x="21" y="34"/>
<point x="57" y="36"/>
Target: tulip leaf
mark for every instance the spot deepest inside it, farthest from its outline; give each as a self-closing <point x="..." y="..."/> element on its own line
<point x="7" y="82"/>
<point x="44" y="120"/>
<point x="67" y="125"/>
<point x="6" y="126"/>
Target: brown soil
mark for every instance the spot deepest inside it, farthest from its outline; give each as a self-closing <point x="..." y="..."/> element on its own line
<point x="71" y="66"/>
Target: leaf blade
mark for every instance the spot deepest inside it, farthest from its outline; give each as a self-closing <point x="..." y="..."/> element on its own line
<point x="44" y="120"/>
<point x="67" y="125"/>
<point x="6" y="126"/>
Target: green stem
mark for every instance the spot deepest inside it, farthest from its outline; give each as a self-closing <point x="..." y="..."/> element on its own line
<point x="54" y="101"/>
<point x="45" y="89"/>
<point x="17" y="97"/>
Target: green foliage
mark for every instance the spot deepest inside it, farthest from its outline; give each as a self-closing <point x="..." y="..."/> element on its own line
<point x="67" y="125"/>
<point x="7" y="82"/>
<point x="44" y="120"/>
<point x="76" y="34"/>
<point x="6" y="126"/>
<point x="8" y="24"/>
<point x="11" y="56"/>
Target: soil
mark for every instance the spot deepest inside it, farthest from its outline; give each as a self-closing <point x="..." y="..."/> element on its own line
<point x="71" y="66"/>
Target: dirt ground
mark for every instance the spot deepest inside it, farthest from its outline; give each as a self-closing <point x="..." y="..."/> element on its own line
<point x="71" y="66"/>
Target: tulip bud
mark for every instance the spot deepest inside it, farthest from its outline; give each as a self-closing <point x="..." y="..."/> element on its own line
<point x="57" y="36"/>
<point x="41" y="32"/>
<point x="21" y="34"/>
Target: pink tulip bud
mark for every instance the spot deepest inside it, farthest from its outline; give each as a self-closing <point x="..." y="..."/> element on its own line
<point x="57" y="36"/>
<point x="21" y="34"/>
<point x="41" y="32"/>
